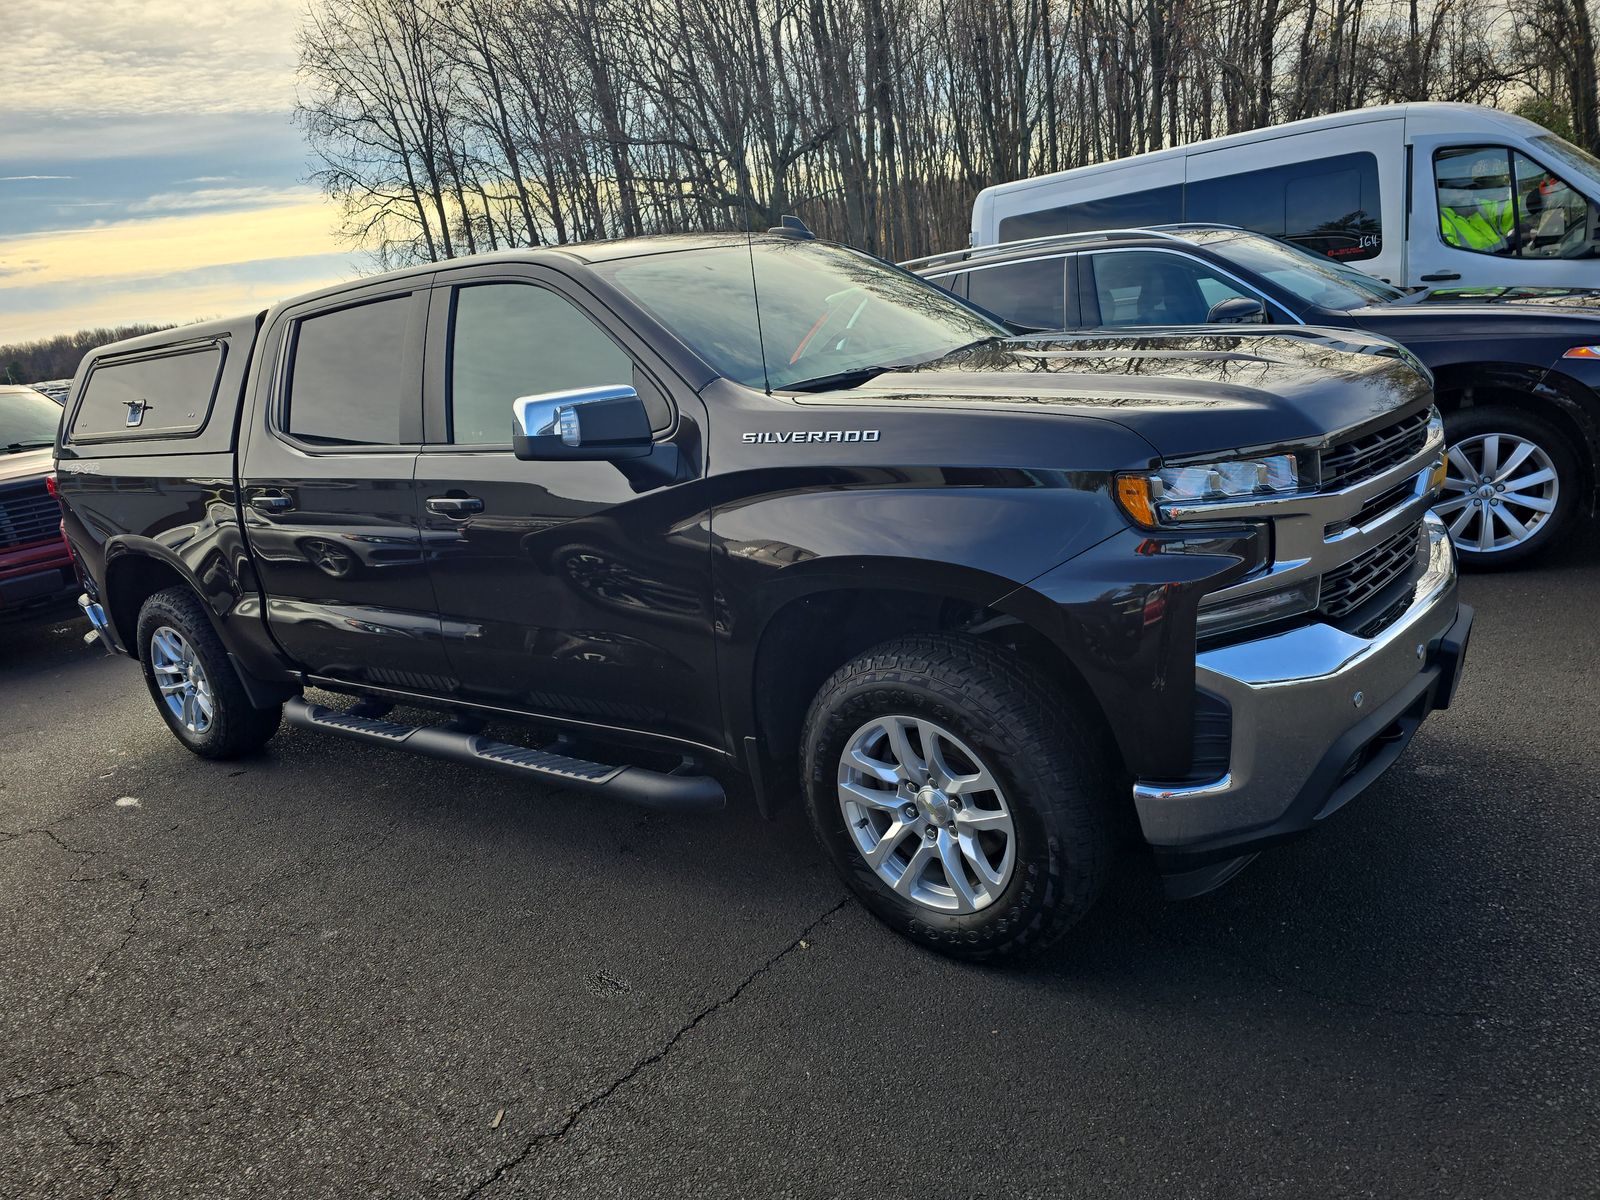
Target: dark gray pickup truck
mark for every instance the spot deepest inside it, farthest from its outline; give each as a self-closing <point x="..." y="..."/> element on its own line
<point x="698" y="509"/>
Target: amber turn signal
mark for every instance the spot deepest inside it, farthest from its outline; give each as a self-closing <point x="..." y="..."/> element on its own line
<point x="1133" y="494"/>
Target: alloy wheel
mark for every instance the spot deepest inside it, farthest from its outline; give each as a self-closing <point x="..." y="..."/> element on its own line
<point x="926" y="814"/>
<point x="1499" y="491"/>
<point x="181" y="679"/>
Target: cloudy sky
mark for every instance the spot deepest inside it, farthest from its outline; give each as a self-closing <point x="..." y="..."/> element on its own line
<point x="149" y="167"/>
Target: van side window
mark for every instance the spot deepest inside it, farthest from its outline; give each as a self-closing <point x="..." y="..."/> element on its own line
<point x="1152" y="287"/>
<point x="1158" y="206"/>
<point x="348" y="379"/>
<point x="1557" y="220"/>
<point x="518" y="339"/>
<point x="167" y="395"/>
<point x="1032" y="294"/>
<point x="1330" y="206"/>
<point x="1476" y="211"/>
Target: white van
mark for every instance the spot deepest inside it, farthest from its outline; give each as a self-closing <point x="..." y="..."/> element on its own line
<point x="1442" y="195"/>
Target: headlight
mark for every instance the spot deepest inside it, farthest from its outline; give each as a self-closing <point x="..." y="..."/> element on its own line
<point x="1583" y="352"/>
<point x="1142" y="496"/>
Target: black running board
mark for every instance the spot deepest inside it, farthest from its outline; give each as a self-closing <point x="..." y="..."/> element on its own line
<point x="632" y="785"/>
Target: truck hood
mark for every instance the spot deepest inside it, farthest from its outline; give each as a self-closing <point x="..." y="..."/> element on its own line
<point x="1251" y="388"/>
<point x="25" y="464"/>
<point x="1561" y="301"/>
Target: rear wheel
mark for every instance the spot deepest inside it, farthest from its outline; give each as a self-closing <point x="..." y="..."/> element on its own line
<point x="196" y="690"/>
<point x="1511" y="486"/>
<point x="958" y="795"/>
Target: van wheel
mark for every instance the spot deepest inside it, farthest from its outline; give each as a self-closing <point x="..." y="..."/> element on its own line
<point x="192" y="682"/>
<point x="958" y="796"/>
<point x="1511" y="487"/>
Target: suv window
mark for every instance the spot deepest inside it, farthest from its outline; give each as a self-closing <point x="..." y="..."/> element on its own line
<point x="519" y="339"/>
<point x="348" y="377"/>
<point x="1032" y="294"/>
<point x="1152" y="287"/>
<point x="166" y="395"/>
<point x="1328" y="205"/>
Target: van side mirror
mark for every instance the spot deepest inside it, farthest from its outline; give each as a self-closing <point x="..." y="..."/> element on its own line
<point x="597" y="423"/>
<point x="1237" y="311"/>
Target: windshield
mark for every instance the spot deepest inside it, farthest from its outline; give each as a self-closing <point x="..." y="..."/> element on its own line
<point x="1579" y="162"/>
<point x="1308" y="276"/>
<point x="823" y="310"/>
<point x="28" y="421"/>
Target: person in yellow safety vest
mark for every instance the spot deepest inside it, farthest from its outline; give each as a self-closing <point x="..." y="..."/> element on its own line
<point x="1488" y="224"/>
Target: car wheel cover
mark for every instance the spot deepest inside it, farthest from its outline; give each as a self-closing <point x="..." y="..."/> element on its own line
<point x="1500" y="490"/>
<point x="926" y="814"/>
<point x="181" y="680"/>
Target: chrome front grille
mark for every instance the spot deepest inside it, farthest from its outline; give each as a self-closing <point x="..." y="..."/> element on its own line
<point x="1374" y="453"/>
<point x="28" y="513"/>
<point x="1347" y="588"/>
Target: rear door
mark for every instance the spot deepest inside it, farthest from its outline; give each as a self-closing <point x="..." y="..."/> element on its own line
<point x="328" y="495"/>
<point x="567" y="589"/>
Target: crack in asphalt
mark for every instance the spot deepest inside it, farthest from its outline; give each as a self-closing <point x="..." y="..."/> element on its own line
<point x="65" y="1087"/>
<point x="598" y="1098"/>
<point x="140" y="889"/>
<point x="46" y="831"/>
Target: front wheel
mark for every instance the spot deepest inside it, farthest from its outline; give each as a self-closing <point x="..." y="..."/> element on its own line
<point x="1511" y="486"/>
<point x="195" y="687"/>
<point x="959" y="796"/>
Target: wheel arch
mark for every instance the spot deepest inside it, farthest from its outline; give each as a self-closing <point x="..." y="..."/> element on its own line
<point x="810" y="635"/>
<point x="1566" y="404"/>
<point x="135" y="570"/>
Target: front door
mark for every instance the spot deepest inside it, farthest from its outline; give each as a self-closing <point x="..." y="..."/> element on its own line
<point x="329" y="500"/>
<point x="567" y="589"/>
<point x="1496" y="216"/>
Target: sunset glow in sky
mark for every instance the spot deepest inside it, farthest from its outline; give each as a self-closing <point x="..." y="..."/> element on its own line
<point x="149" y="167"/>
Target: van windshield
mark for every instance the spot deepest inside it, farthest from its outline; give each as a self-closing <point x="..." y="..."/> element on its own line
<point x="1310" y="277"/>
<point x="1581" y="166"/>
<point x="821" y="313"/>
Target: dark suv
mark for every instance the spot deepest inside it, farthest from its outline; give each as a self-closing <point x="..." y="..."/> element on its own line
<point x="1517" y="371"/>
<point x="701" y="508"/>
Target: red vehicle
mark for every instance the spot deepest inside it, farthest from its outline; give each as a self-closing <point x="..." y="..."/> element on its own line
<point x="35" y="564"/>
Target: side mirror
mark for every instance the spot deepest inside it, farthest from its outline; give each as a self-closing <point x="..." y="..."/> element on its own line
<point x="1237" y="311"/>
<point x="586" y="423"/>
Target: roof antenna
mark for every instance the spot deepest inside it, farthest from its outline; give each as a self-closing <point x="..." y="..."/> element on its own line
<point x="761" y="341"/>
<point x="793" y="227"/>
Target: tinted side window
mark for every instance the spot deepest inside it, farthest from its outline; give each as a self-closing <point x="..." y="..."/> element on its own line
<point x="1328" y="205"/>
<point x="348" y="377"/>
<point x="164" y="396"/>
<point x="1025" y="293"/>
<point x="1150" y="287"/>
<point x="518" y="339"/>
<point x="1158" y="206"/>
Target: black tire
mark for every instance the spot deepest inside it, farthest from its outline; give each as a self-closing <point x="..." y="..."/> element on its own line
<point x="1052" y="773"/>
<point x="236" y="726"/>
<point x="1479" y="421"/>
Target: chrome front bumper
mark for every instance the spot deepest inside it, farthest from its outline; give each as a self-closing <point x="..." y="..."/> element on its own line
<point x="1317" y="714"/>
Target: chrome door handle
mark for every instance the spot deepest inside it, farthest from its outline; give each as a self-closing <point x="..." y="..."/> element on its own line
<point x="271" y="504"/>
<point x="454" y="506"/>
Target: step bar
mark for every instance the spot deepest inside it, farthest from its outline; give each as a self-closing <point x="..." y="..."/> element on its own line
<point x="632" y="785"/>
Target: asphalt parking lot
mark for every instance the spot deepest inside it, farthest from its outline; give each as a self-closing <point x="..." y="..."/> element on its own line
<point x="338" y="971"/>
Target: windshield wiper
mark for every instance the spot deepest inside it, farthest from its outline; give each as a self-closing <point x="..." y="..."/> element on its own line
<point x="14" y="447"/>
<point x="840" y="379"/>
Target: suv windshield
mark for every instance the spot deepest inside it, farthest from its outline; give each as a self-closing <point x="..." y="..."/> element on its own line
<point x="1308" y="276"/>
<point x="28" y="420"/>
<point x="819" y="311"/>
